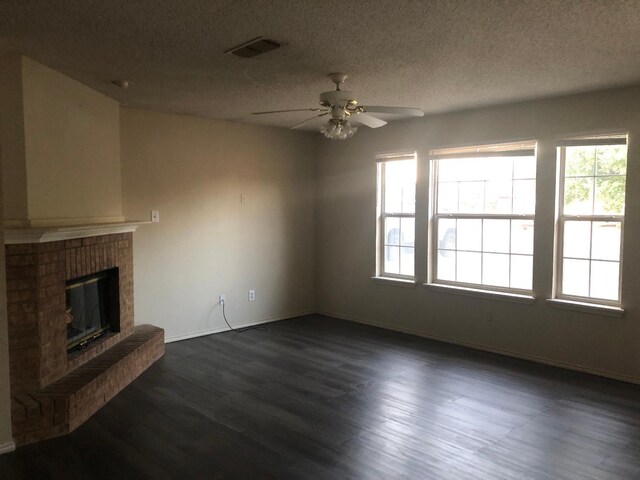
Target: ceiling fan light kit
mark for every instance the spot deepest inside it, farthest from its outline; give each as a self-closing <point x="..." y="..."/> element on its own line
<point x="342" y="106"/>
<point x="338" y="129"/>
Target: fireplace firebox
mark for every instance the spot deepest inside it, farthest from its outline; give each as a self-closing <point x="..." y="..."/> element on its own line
<point x="92" y="308"/>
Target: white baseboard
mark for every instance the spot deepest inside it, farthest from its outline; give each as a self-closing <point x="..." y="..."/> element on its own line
<point x="499" y="351"/>
<point x="7" y="447"/>
<point x="186" y="336"/>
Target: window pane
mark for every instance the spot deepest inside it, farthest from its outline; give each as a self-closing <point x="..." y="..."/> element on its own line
<point x="392" y="259"/>
<point x="468" y="267"/>
<point x="447" y="233"/>
<point x="498" y="197"/>
<point x="392" y="231"/>
<point x="579" y="161"/>
<point x="606" y="241"/>
<point x="611" y="160"/>
<point x="522" y="236"/>
<point x="609" y="196"/>
<point x="446" y="265"/>
<point x="469" y="235"/>
<point x="577" y="239"/>
<point x="453" y="170"/>
<point x="471" y="197"/>
<point x="522" y="272"/>
<point x="495" y="236"/>
<point x="575" y="277"/>
<point x="477" y="250"/>
<point x="604" y="280"/>
<point x="447" y="197"/>
<point x="495" y="269"/>
<point x="407" y="231"/>
<point x="400" y="186"/>
<point x="524" y="167"/>
<point x="392" y="198"/>
<point x="407" y="261"/>
<point x="496" y="168"/>
<point x="524" y="196"/>
<point x="594" y="185"/>
<point x="578" y="196"/>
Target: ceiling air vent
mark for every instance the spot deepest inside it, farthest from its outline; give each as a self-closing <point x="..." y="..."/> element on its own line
<point x="255" y="47"/>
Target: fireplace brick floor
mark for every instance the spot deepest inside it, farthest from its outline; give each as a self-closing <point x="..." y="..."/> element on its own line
<point x="65" y="404"/>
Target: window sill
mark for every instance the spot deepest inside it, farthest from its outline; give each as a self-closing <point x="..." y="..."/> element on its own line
<point x="396" y="282"/>
<point x="476" y="292"/>
<point x="591" y="308"/>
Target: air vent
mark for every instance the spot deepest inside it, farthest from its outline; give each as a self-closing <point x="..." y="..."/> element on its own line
<point x="255" y="47"/>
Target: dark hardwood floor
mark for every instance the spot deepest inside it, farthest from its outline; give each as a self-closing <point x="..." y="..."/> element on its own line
<point x="320" y="398"/>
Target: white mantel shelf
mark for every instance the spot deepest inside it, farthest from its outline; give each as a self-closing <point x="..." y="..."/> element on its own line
<point x="53" y="234"/>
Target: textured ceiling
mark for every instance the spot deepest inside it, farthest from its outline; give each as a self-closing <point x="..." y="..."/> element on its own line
<point x="436" y="55"/>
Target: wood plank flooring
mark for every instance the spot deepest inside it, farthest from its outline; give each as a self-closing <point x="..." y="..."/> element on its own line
<point x="320" y="398"/>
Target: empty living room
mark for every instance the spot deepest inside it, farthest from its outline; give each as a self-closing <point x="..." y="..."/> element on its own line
<point x="320" y="239"/>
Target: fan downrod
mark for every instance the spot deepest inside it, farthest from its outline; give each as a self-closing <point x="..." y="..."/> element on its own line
<point x="338" y="78"/>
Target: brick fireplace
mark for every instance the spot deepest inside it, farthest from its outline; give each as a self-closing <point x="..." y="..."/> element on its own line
<point x="54" y="391"/>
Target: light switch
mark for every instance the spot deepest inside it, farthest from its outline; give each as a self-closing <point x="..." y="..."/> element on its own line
<point x="155" y="216"/>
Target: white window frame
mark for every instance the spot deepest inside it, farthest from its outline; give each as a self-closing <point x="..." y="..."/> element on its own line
<point x="561" y="219"/>
<point x="382" y="160"/>
<point x="527" y="148"/>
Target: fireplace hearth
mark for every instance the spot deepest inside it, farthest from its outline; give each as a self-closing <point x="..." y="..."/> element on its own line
<point x="73" y="344"/>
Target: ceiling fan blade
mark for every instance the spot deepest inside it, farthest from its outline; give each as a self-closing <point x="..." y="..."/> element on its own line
<point x="304" y="122"/>
<point x="413" y="112"/>
<point x="292" y="110"/>
<point x="368" y="120"/>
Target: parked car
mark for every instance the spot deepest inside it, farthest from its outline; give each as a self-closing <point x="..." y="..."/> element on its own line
<point x="448" y="241"/>
<point x="395" y="237"/>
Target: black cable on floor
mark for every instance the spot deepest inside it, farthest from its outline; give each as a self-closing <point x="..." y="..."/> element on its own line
<point x="225" y="318"/>
<point x="224" y="315"/>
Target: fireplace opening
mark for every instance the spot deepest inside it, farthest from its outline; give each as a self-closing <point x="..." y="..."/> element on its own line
<point x="93" y="308"/>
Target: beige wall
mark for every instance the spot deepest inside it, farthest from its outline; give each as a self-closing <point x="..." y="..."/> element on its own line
<point x="6" y="441"/>
<point x="347" y="226"/>
<point x="194" y="172"/>
<point x="14" y="164"/>
<point x="72" y="147"/>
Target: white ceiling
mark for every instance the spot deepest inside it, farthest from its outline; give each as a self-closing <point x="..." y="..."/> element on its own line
<point x="437" y="55"/>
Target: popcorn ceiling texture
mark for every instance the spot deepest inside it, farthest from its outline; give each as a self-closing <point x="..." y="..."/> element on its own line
<point x="436" y="55"/>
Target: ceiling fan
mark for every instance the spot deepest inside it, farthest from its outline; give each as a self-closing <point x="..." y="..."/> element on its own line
<point x="343" y="111"/>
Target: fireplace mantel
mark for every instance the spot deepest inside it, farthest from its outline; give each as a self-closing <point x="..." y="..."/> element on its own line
<point x="14" y="236"/>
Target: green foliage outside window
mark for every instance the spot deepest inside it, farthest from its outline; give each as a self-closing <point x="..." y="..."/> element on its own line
<point x="608" y="163"/>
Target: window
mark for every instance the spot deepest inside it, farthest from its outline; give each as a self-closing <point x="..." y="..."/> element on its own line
<point x="483" y="216"/>
<point x="592" y="178"/>
<point x="396" y="215"/>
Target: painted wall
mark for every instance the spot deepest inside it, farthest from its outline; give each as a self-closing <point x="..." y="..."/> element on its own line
<point x="14" y="184"/>
<point x="6" y="441"/>
<point x="347" y="226"/>
<point x="195" y="172"/>
<point x="72" y="148"/>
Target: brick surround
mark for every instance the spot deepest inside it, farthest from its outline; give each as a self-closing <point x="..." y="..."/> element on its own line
<point x="38" y="359"/>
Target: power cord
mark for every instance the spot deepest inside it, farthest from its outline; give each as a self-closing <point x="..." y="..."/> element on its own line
<point x="224" y="315"/>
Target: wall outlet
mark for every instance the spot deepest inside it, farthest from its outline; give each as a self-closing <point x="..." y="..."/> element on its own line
<point x="155" y="216"/>
<point x="221" y="298"/>
<point x="252" y="295"/>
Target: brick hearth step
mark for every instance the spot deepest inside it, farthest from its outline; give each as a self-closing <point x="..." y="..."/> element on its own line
<point x="65" y="404"/>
